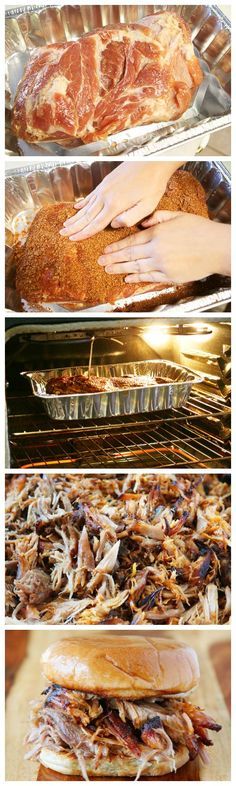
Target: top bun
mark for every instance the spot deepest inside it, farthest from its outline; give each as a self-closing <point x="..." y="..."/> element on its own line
<point x="122" y="666"/>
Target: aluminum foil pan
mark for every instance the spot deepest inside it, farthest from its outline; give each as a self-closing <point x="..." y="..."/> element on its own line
<point x="30" y="187"/>
<point x="34" y="25"/>
<point x="82" y="406"/>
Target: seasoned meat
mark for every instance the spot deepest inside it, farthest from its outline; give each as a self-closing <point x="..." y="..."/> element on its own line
<point x="132" y="381"/>
<point x="184" y="193"/>
<point x="52" y="268"/>
<point x="79" y="383"/>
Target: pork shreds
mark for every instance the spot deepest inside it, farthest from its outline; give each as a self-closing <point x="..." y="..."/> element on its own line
<point x="137" y="549"/>
<point x="86" y="725"/>
<point x="50" y="267"/>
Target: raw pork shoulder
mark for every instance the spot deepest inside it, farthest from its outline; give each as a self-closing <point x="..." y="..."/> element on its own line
<point x="108" y="80"/>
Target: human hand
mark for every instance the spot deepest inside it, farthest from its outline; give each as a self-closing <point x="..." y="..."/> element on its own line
<point x="137" y="186"/>
<point x="176" y="247"/>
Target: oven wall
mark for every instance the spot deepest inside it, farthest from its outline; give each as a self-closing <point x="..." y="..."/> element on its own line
<point x="57" y="344"/>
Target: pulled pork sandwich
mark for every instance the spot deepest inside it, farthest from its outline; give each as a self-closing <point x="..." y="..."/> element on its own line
<point x="138" y="549"/>
<point x="118" y="706"/>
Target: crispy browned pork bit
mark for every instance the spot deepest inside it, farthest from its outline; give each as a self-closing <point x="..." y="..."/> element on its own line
<point x="69" y="720"/>
<point x="137" y="549"/>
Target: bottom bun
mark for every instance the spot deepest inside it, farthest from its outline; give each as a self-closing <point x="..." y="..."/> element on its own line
<point x="117" y="767"/>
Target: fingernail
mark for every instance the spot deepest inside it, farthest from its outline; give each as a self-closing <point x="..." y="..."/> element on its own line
<point x="101" y="261"/>
<point x="63" y="232"/>
<point x="108" y="269"/>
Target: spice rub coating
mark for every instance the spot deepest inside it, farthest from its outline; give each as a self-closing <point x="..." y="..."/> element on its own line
<point x="52" y="268"/>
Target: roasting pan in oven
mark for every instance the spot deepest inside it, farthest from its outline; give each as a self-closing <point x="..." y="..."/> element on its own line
<point x="195" y="435"/>
<point x="83" y="406"/>
<point x="34" y="25"/>
<point x="30" y="187"/>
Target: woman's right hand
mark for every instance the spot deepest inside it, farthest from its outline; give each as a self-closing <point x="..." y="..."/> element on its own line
<point x="174" y="246"/>
<point x="137" y="186"/>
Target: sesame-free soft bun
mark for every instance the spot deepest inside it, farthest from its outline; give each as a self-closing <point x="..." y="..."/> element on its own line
<point x="124" y="666"/>
<point x="114" y="767"/>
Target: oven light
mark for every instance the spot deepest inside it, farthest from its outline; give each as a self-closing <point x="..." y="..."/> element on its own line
<point x="159" y="336"/>
<point x="200" y="328"/>
<point x="156" y="336"/>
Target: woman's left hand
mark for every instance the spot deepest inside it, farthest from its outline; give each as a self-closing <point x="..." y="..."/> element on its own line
<point x="177" y="247"/>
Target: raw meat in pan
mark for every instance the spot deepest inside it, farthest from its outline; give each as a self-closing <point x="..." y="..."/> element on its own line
<point x="110" y="79"/>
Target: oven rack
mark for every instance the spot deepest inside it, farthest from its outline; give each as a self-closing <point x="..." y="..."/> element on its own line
<point x="195" y="435"/>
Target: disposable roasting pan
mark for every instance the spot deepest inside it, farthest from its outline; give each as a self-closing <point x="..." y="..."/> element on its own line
<point x="32" y="26"/>
<point x="30" y="187"/>
<point x="80" y="406"/>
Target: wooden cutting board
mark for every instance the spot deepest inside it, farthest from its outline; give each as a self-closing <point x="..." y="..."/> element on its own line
<point x="28" y="684"/>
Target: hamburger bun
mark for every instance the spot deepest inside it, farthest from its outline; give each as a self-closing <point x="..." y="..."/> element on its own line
<point x="124" y="666"/>
<point x="116" y="767"/>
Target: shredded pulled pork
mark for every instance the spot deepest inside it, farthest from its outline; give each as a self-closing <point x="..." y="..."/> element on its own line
<point x="88" y="725"/>
<point x="137" y="549"/>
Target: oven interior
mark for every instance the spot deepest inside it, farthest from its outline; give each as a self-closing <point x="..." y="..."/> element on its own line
<point x="196" y="435"/>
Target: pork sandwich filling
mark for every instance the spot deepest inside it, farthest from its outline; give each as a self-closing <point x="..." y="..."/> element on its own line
<point x="136" y="549"/>
<point x="88" y="726"/>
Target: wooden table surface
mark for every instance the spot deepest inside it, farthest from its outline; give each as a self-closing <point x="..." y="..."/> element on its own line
<point x="24" y="682"/>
